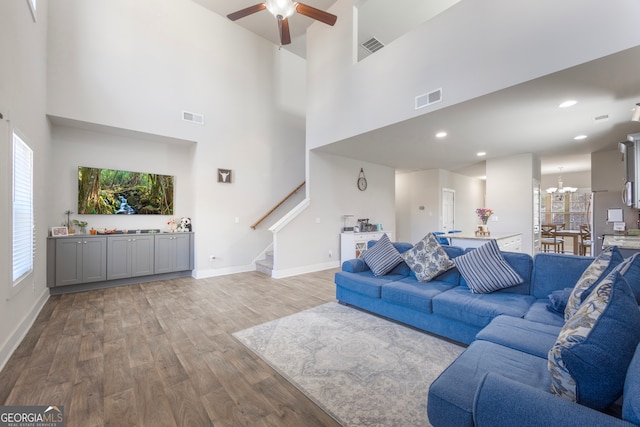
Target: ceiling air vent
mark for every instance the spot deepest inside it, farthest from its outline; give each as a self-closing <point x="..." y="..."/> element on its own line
<point x="603" y="117"/>
<point x="428" y="98"/>
<point x="193" y="117"/>
<point x="372" y="45"/>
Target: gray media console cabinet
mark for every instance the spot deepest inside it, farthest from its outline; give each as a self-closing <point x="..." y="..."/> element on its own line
<point x="83" y="262"/>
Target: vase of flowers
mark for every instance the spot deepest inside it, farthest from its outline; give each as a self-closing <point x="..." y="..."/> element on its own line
<point x="483" y="215"/>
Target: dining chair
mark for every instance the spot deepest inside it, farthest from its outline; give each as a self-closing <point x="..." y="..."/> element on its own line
<point x="441" y="240"/>
<point x="585" y="240"/>
<point x="549" y="238"/>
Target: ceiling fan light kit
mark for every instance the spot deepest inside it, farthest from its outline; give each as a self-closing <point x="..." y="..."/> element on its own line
<point x="282" y="10"/>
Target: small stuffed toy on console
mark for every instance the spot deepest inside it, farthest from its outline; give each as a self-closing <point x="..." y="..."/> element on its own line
<point x="185" y="224"/>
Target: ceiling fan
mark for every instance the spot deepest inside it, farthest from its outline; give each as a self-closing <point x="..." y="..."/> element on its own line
<point x="282" y="10"/>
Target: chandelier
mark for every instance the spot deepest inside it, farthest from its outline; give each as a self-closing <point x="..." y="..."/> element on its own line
<point x="561" y="188"/>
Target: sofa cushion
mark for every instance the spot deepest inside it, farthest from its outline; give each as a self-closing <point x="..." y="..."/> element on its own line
<point x="413" y="294"/>
<point x="427" y="259"/>
<point x="598" y="270"/>
<point x="631" y="401"/>
<point x="382" y="257"/>
<point x="538" y="312"/>
<point x="589" y="360"/>
<point x="485" y="269"/>
<point x="451" y="395"/>
<point x="479" y="309"/>
<point x="521" y="334"/>
<point x="545" y="278"/>
<point x="365" y="283"/>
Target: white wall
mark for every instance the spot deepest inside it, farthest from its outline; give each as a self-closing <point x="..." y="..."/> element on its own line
<point x="74" y="147"/>
<point x="305" y="243"/>
<point x="471" y="49"/>
<point x="424" y="189"/>
<point x="510" y="195"/>
<point x="134" y="66"/>
<point x="22" y="103"/>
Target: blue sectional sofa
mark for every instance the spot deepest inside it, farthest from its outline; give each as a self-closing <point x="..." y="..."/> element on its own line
<point x="502" y="378"/>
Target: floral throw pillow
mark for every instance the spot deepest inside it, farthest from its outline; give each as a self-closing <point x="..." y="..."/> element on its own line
<point x="598" y="270"/>
<point x="427" y="259"/>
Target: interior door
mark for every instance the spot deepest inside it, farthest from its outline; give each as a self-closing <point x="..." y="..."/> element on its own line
<point x="448" y="209"/>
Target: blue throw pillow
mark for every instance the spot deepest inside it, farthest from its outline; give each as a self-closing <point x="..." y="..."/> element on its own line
<point x="630" y="270"/>
<point x="558" y="300"/>
<point x="382" y="257"/>
<point x="598" y="270"/>
<point x="631" y="395"/>
<point x="589" y="360"/>
<point x="485" y="269"/>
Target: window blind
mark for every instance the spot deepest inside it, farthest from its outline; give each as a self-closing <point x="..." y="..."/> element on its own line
<point x="22" y="206"/>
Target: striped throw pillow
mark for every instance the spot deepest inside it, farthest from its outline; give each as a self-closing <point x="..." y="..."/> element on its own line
<point x="485" y="269"/>
<point x="382" y="257"/>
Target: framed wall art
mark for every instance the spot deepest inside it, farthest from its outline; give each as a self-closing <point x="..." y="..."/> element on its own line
<point x="224" y="176"/>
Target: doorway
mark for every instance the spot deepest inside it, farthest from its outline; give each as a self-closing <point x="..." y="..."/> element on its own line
<point x="448" y="209"/>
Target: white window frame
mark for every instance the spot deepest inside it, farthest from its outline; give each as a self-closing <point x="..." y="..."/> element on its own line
<point x="22" y="153"/>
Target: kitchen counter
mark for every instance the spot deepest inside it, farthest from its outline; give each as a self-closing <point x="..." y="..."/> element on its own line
<point x="621" y="241"/>
<point x="509" y="242"/>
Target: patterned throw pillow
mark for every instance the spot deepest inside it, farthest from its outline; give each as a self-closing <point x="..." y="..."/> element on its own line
<point x="485" y="270"/>
<point x="589" y="361"/>
<point x="427" y="259"/>
<point x="598" y="270"/>
<point x="382" y="257"/>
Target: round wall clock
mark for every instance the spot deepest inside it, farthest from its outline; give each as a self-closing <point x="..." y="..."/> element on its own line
<point x="362" y="181"/>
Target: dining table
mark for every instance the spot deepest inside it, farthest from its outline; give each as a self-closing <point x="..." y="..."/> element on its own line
<point x="575" y="234"/>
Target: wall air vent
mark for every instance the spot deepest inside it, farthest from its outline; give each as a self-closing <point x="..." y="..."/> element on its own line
<point x="193" y="117"/>
<point x="372" y="45"/>
<point x="602" y="118"/>
<point x="428" y="98"/>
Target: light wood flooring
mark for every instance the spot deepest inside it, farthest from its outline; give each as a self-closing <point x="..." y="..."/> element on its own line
<point x="162" y="354"/>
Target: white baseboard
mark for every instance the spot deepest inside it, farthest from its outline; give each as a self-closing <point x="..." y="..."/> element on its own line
<point x="215" y="272"/>
<point x="14" y="340"/>
<point x="280" y="274"/>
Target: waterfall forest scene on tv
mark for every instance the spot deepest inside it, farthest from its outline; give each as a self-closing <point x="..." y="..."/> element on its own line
<point x="114" y="192"/>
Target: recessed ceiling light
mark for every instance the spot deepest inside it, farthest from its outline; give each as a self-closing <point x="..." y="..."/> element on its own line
<point x="568" y="103"/>
<point x="441" y="134"/>
<point x="579" y="137"/>
<point x="481" y="153"/>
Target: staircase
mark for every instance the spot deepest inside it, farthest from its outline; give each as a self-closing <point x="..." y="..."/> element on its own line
<point x="265" y="266"/>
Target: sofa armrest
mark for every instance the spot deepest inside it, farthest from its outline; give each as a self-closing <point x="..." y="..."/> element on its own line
<point x="500" y="401"/>
<point x="355" y="266"/>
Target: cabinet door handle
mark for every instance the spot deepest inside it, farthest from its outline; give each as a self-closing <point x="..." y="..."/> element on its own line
<point x="132" y="240"/>
<point x="85" y="242"/>
<point x="128" y="240"/>
<point x="80" y="242"/>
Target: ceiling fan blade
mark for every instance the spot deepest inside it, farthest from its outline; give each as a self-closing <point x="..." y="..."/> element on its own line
<point x="247" y="11"/>
<point x="283" y="27"/>
<point x="317" y="14"/>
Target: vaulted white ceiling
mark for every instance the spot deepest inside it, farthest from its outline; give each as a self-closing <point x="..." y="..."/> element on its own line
<point x="521" y="119"/>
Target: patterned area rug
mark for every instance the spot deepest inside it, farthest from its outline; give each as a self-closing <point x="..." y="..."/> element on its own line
<point x="361" y="369"/>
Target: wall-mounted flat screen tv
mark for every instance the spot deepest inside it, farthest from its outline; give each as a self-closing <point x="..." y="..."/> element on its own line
<point x="115" y="192"/>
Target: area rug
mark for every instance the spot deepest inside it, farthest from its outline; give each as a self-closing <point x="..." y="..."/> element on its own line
<point x="361" y="369"/>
